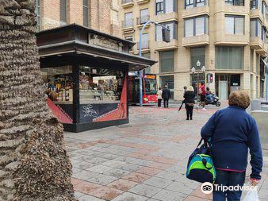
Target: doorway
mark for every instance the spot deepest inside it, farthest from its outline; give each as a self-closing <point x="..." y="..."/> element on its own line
<point x="226" y="83"/>
<point x="223" y="90"/>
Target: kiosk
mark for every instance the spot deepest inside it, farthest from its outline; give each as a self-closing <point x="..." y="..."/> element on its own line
<point x="86" y="76"/>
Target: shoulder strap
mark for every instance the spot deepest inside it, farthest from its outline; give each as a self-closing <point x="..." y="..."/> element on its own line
<point x="200" y="142"/>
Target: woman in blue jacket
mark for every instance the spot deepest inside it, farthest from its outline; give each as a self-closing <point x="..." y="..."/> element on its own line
<point x="232" y="132"/>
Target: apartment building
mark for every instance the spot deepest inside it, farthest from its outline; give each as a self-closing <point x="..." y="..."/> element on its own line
<point x="101" y="15"/>
<point x="224" y="40"/>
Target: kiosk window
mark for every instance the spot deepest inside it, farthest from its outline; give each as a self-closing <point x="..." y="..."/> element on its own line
<point x="59" y="84"/>
<point x="98" y="85"/>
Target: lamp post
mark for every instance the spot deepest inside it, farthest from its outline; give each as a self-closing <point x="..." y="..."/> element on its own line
<point x="266" y="82"/>
<point x="166" y="38"/>
<point x="193" y="70"/>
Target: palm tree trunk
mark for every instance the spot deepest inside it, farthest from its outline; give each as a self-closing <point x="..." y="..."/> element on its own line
<point x="33" y="162"/>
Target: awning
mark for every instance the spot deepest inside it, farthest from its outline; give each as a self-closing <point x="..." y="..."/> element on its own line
<point x="77" y="40"/>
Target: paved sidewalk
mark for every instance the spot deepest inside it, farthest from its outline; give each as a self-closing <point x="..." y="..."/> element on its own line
<point x="141" y="161"/>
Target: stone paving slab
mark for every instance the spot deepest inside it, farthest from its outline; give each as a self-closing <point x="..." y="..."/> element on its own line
<point x="144" y="160"/>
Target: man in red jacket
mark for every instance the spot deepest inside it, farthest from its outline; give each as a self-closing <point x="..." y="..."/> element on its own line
<point x="202" y="94"/>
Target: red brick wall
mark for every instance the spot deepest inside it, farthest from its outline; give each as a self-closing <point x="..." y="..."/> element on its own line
<point x="99" y="15"/>
<point x="50" y="14"/>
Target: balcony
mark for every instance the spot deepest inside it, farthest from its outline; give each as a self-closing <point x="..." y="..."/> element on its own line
<point x="256" y="13"/>
<point x="263" y="51"/>
<point x="256" y="43"/>
<point x="128" y="25"/>
<point x="144" y="46"/>
<point x="229" y="39"/>
<point x="114" y="6"/>
<point x="142" y="1"/>
<point x="203" y="10"/>
<point x="127" y="3"/>
<point x="195" y="41"/>
<point x="161" y="45"/>
<point x="142" y="20"/>
<point x="166" y="17"/>
<point x="236" y="9"/>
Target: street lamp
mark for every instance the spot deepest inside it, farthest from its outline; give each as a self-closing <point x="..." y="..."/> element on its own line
<point x="166" y="38"/>
<point x="194" y="70"/>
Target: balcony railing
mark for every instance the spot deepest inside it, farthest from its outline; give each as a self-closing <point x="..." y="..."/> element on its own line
<point x="127" y="23"/>
<point x="143" y="19"/>
<point x="144" y="45"/>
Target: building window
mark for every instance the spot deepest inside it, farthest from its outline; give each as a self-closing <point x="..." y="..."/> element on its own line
<point x="255" y="28"/>
<point x="263" y="8"/>
<point x="229" y="58"/>
<point x="194" y="3"/>
<point x="128" y="20"/>
<point x="254" y="4"/>
<point x="144" y="41"/>
<point x="144" y="16"/>
<point x="38" y="14"/>
<point x="198" y="54"/>
<point x="85" y="13"/>
<point x="173" y="26"/>
<point x="165" y="6"/>
<point x="234" y="24"/>
<point x="166" y="61"/>
<point x="235" y="2"/>
<point x="131" y="39"/>
<point x="63" y="11"/>
<point x="196" y="26"/>
<point x="159" y="6"/>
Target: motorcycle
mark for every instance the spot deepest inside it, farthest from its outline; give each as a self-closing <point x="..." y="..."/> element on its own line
<point x="212" y="99"/>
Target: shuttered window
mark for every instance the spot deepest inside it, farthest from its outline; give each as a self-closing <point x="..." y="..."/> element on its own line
<point x="229" y="58"/>
<point x="38" y="14"/>
<point x="63" y="11"/>
<point x="85" y="13"/>
<point x="166" y="61"/>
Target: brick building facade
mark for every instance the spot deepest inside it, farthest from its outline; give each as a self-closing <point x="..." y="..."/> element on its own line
<point x="101" y="15"/>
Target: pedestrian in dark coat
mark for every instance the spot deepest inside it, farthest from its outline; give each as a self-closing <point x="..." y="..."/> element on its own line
<point x="232" y="131"/>
<point x="166" y="95"/>
<point x="189" y="97"/>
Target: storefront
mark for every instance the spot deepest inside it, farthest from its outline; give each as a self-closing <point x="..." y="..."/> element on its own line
<point x="227" y="83"/>
<point x="86" y="73"/>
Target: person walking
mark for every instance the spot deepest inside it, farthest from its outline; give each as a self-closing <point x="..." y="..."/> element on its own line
<point x="166" y="95"/>
<point x="159" y="96"/>
<point x="231" y="132"/>
<point x="202" y="94"/>
<point x="189" y="96"/>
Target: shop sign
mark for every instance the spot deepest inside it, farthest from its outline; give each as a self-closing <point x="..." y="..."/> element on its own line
<point x="104" y="42"/>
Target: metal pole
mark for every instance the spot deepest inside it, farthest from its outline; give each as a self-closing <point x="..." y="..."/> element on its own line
<point x="140" y="43"/>
<point x="266" y="82"/>
<point x="140" y="72"/>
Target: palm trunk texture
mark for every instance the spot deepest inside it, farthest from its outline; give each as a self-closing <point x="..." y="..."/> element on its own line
<point x="34" y="165"/>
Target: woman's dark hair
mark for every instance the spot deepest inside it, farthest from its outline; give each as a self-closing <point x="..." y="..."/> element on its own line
<point x="240" y="99"/>
<point x="160" y="88"/>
